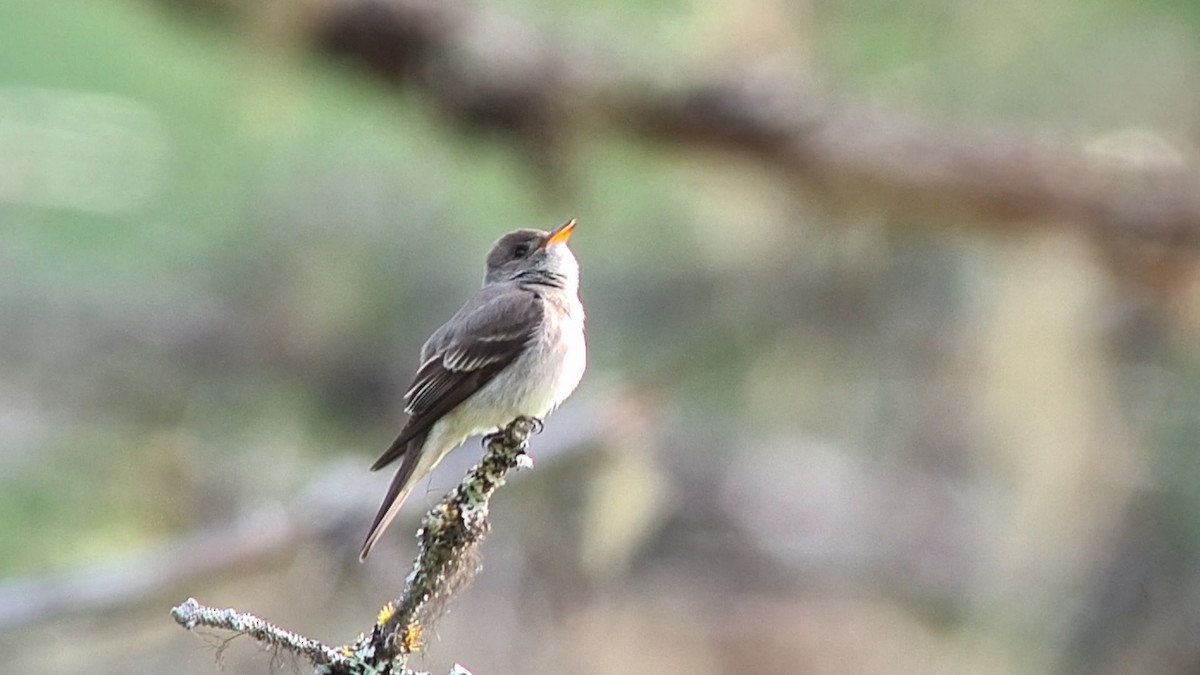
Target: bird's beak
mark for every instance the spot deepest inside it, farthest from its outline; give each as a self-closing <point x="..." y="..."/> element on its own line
<point x="560" y="234"/>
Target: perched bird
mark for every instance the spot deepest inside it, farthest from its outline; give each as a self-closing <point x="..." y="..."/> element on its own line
<point x="516" y="348"/>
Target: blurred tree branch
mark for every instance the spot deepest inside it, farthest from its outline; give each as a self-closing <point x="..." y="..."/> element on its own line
<point x="446" y="561"/>
<point x="488" y="72"/>
<point x="248" y="541"/>
<point x="257" y="538"/>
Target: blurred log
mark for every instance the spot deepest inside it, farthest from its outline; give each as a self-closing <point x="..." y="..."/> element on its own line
<point x="488" y="72"/>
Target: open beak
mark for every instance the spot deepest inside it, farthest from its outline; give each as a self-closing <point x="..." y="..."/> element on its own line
<point x="560" y="234"/>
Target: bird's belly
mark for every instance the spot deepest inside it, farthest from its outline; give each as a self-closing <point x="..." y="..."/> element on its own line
<point x="536" y="383"/>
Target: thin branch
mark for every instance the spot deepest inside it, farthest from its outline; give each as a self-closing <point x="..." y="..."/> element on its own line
<point x="191" y="614"/>
<point x="447" y="560"/>
<point x="448" y="541"/>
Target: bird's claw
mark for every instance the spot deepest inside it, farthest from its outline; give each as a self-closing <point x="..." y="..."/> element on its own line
<point x="498" y="434"/>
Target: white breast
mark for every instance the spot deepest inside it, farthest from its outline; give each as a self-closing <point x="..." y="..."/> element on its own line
<point x="539" y="380"/>
<point x="574" y="358"/>
<point x="553" y="365"/>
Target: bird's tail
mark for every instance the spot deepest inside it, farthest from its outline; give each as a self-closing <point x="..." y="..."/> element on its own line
<point x="407" y="476"/>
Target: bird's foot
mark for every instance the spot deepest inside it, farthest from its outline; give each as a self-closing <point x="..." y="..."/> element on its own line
<point x="498" y="434"/>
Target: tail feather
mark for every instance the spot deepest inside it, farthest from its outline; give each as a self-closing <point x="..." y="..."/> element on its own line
<point x="401" y="446"/>
<point x="405" y="479"/>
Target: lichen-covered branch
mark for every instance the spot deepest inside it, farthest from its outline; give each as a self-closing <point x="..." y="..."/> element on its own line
<point x="191" y="614"/>
<point x="447" y="556"/>
<point x="447" y="559"/>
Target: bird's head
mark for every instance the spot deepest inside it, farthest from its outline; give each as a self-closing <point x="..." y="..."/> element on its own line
<point x="536" y="256"/>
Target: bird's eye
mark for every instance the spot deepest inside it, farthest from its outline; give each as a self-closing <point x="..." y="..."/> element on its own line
<point x="520" y="250"/>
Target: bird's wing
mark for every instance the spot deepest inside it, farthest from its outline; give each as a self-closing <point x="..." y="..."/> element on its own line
<point x="466" y="353"/>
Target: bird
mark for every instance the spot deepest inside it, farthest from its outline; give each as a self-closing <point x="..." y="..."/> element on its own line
<point x="516" y="348"/>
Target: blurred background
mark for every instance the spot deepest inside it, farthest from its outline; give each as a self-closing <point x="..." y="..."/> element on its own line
<point x="894" y="326"/>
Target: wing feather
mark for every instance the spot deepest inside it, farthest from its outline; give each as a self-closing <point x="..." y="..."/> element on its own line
<point x="466" y="353"/>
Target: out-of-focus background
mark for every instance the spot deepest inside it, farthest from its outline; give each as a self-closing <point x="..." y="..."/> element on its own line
<point x="893" y="322"/>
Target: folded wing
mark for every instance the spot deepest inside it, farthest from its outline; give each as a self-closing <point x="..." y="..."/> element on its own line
<point x="464" y="355"/>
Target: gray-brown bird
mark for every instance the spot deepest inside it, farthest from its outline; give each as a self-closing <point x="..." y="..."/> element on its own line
<point x="516" y="348"/>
